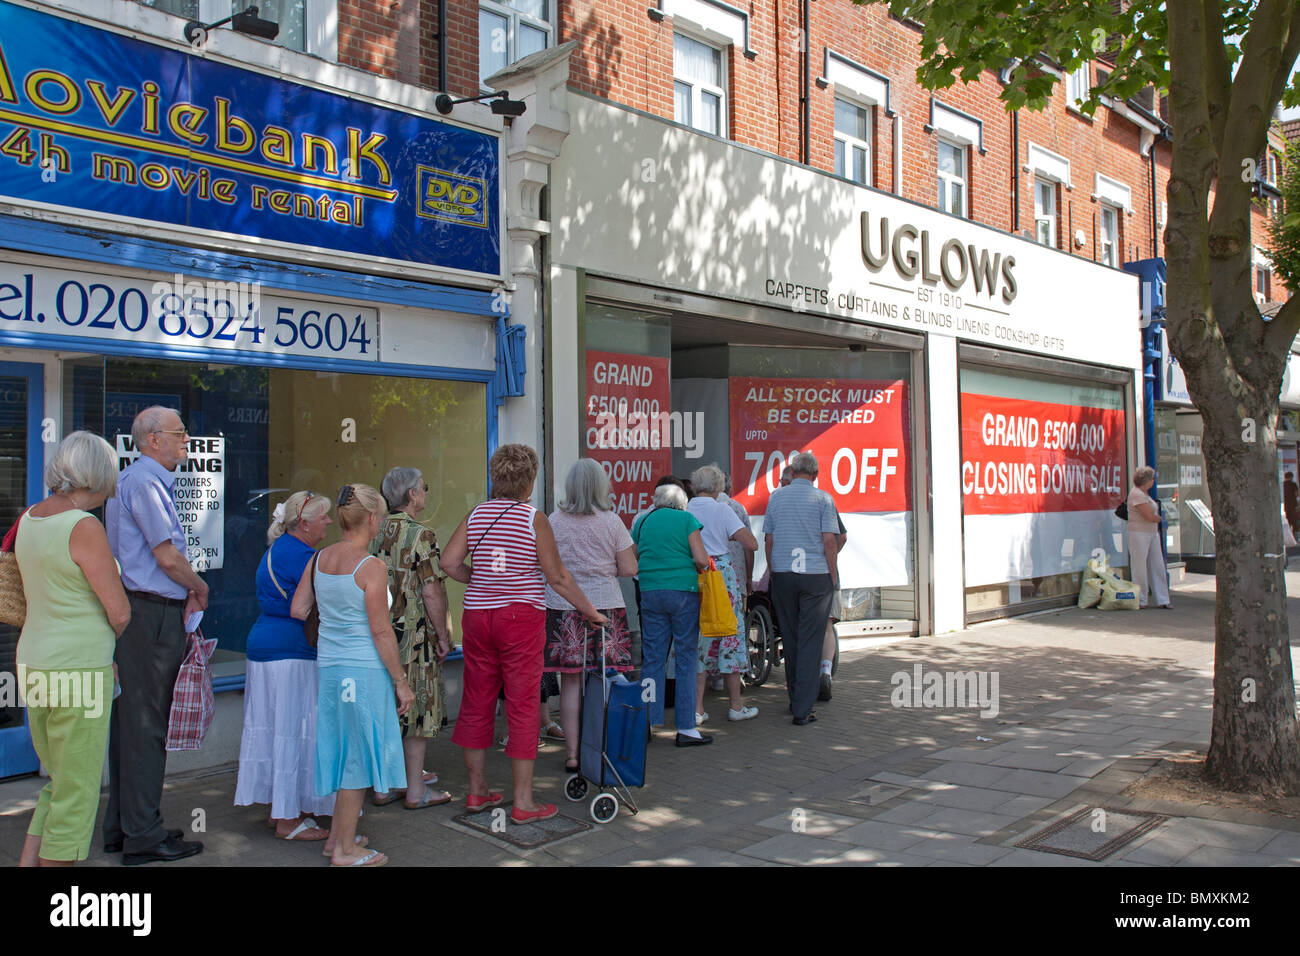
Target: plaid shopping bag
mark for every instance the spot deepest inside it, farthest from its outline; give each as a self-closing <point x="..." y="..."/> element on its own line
<point x="192" y="703"/>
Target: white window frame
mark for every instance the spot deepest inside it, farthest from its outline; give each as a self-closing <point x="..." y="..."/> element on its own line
<point x="698" y="88"/>
<point x="852" y="142"/>
<point x="320" y="31"/>
<point x="1042" y="215"/>
<point x="1113" y="260"/>
<point x="513" y="18"/>
<point x="947" y="179"/>
<point x="1078" y="82"/>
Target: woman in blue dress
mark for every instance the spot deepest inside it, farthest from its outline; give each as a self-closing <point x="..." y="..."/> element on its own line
<point x="363" y="687"/>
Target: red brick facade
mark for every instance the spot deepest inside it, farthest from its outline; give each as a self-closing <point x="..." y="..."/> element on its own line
<point x="625" y="55"/>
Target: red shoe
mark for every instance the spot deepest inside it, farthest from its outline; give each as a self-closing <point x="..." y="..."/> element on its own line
<point x="544" y="811"/>
<point x="474" y="803"/>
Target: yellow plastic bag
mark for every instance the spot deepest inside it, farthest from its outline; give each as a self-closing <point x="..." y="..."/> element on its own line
<point x="717" y="619"/>
<point x="1118" y="595"/>
<point x="1090" y="591"/>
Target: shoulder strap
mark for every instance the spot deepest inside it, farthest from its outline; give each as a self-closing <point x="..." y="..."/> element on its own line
<point x="636" y="538"/>
<point x="493" y="525"/>
<point x="272" y="574"/>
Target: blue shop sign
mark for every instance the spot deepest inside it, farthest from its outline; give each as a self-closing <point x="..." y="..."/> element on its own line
<point x="93" y="120"/>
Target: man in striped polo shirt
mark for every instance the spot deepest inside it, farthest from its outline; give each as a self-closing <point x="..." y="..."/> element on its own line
<point x="801" y="542"/>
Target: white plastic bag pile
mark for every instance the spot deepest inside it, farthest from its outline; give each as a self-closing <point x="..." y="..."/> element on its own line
<point x="1106" y="590"/>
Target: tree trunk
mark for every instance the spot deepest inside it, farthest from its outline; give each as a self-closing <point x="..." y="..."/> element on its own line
<point x="1253" y="740"/>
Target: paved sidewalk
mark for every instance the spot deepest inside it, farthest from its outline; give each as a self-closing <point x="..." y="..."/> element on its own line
<point x="1087" y="701"/>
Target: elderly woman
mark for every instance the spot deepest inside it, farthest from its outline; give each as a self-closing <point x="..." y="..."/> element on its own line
<point x="358" y="741"/>
<point x="512" y="549"/>
<point x="721" y="526"/>
<point x="596" y="548"/>
<point x="422" y="624"/>
<point x="1146" y="557"/>
<point x="670" y="554"/>
<point x="277" y="753"/>
<point x="76" y="610"/>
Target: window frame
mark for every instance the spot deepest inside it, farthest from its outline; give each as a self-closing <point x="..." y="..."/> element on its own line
<point x="320" y="33"/>
<point x="850" y="141"/>
<point x="1114" y="211"/>
<point x="946" y="180"/>
<point x="698" y="88"/>
<point x="513" y="18"/>
<point x="1081" y="74"/>
<point x="1052" y="218"/>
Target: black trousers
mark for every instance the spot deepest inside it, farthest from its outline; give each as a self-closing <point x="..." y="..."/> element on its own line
<point x="149" y="655"/>
<point x="802" y="603"/>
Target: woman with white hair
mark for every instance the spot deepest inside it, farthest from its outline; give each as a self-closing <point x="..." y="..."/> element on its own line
<point x="670" y="555"/>
<point x="721" y="526"/>
<point x="1146" y="557"/>
<point x="277" y="752"/>
<point x="422" y="623"/>
<point x="76" y="610"/>
<point x="596" y="548"/>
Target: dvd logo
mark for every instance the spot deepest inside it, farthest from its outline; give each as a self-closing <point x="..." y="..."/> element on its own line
<point x="451" y="197"/>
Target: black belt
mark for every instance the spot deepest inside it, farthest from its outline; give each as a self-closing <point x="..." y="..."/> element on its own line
<point x="157" y="598"/>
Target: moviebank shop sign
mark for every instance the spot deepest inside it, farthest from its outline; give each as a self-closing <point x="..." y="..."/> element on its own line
<point x="95" y="121"/>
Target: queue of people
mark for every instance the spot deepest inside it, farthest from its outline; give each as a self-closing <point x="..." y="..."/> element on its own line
<point x="343" y="685"/>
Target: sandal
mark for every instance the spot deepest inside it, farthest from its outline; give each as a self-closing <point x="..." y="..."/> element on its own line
<point x="373" y="858"/>
<point x="384" y="799"/>
<point x="572" y="766"/>
<point x="306" y="826"/>
<point x="432" y="798"/>
<point x="553" y="731"/>
<point x="358" y="840"/>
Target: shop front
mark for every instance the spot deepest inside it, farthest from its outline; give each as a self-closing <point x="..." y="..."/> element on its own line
<point x="969" y="395"/>
<point x="306" y="276"/>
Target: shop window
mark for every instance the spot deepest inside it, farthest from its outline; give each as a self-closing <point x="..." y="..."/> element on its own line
<point x="853" y="142"/>
<point x="1109" y="241"/>
<point x="699" y="94"/>
<point x="952" y="178"/>
<point x="509" y="31"/>
<point x="1045" y="213"/>
<point x="290" y="430"/>
<point x="1042" y="460"/>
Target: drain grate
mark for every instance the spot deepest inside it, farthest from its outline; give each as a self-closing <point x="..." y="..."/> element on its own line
<point x="496" y="823"/>
<point x="1079" y="835"/>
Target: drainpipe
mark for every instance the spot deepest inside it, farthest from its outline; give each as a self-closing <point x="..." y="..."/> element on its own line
<point x="1015" y="172"/>
<point x="805" y="85"/>
<point x="1160" y="137"/>
<point x="442" y="45"/>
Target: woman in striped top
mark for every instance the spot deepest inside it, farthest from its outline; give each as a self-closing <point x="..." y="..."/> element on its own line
<point x="503" y="629"/>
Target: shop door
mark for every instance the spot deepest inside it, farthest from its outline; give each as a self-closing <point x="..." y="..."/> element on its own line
<point x="22" y="460"/>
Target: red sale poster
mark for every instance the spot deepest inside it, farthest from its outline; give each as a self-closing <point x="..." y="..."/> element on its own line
<point x="628" y="427"/>
<point x="856" y="428"/>
<point x="1027" y="457"/>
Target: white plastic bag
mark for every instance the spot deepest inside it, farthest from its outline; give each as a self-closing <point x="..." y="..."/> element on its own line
<point x="1118" y="595"/>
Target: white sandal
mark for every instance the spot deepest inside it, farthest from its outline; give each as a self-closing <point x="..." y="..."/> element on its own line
<point x="306" y="825"/>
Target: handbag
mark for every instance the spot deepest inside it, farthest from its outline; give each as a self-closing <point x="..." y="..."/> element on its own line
<point x="192" y="702"/>
<point x="311" y="626"/>
<point x="717" y="618"/>
<point x="13" y="600"/>
<point x="1122" y="511"/>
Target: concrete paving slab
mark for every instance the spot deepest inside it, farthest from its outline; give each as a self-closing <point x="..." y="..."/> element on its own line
<point x="794" y="849"/>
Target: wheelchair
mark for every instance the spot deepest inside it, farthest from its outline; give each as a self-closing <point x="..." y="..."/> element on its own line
<point x="763" y="641"/>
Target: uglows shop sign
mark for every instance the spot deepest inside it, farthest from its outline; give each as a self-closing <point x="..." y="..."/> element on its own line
<point x="92" y="120"/>
<point x="957" y="264"/>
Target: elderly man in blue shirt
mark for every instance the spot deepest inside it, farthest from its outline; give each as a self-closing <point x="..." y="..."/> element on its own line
<point x="801" y="541"/>
<point x="145" y="535"/>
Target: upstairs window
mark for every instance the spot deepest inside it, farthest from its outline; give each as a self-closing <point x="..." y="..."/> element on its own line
<point x="510" y="30"/>
<point x="952" y="178"/>
<point x="1077" y="86"/>
<point x="853" y="142"/>
<point x="298" y="31"/>
<point x="699" y="95"/>
<point x="1045" y="213"/>
<point x="1109" y="238"/>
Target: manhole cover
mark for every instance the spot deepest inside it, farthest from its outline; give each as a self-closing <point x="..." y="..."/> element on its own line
<point x="496" y="823"/>
<point x="1092" y="833"/>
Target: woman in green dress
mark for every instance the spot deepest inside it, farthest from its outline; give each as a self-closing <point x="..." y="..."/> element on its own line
<point x="422" y="623"/>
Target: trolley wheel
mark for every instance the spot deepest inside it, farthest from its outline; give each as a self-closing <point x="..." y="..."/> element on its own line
<point x="575" y="788"/>
<point x="604" y="807"/>
<point x="758" y="641"/>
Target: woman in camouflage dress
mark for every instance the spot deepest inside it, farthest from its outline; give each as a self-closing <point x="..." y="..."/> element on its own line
<point x="422" y="623"/>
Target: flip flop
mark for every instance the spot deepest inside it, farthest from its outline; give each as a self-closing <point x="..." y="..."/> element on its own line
<point x="306" y="825"/>
<point x="359" y="840"/>
<point x="430" y="800"/>
<point x="373" y="858"/>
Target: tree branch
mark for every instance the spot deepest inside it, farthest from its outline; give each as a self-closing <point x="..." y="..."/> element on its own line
<point x="1281" y="331"/>
<point x="1218" y="79"/>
